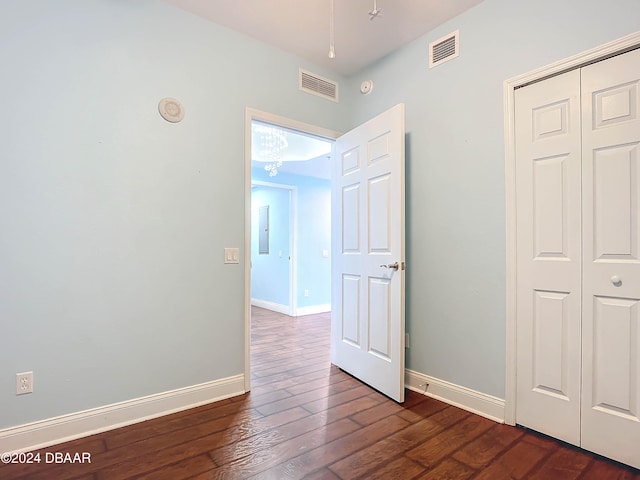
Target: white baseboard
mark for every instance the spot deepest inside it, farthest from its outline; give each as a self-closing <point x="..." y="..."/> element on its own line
<point x="313" y="309"/>
<point x="62" y="429"/>
<point x="479" y="403"/>
<point x="275" y="307"/>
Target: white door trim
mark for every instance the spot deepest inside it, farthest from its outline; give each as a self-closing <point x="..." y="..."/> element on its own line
<point x="620" y="45"/>
<point x="252" y="114"/>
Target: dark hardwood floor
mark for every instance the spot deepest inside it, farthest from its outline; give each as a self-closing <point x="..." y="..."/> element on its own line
<point x="306" y="419"/>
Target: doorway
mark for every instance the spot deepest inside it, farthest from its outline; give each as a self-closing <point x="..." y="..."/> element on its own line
<point x="288" y="181"/>
<point x="366" y="228"/>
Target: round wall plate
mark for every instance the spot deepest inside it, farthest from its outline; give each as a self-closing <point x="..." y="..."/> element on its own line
<point x="366" y="87"/>
<point x="171" y="110"/>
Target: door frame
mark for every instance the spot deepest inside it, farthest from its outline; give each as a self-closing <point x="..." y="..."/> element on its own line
<point x="252" y="114"/>
<point x="621" y="45"/>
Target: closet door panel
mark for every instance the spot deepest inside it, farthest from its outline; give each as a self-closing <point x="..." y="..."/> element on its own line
<point x="611" y="258"/>
<point x="548" y="266"/>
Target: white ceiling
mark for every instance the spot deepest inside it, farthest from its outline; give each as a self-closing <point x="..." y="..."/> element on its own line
<point x="301" y="27"/>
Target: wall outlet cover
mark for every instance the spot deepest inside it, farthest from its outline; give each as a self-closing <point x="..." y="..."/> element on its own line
<point x="24" y="383"/>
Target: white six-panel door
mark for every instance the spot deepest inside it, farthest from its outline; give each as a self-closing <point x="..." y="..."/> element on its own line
<point x="578" y="257"/>
<point x="611" y="252"/>
<point x="549" y="256"/>
<point x="367" y="317"/>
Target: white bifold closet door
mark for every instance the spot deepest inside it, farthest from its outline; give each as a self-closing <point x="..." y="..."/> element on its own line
<point x="578" y="257"/>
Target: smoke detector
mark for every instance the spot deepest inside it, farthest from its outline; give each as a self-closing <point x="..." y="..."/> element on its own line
<point x="366" y="87"/>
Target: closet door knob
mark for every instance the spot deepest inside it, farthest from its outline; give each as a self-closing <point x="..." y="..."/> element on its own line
<point x="616" y="280"/>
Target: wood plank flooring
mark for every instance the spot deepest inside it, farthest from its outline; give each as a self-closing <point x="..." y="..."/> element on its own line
<point x="306" y="419"/>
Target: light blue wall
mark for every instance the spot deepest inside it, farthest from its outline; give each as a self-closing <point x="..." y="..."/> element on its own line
<point x="455" y="169"/>
<point x="270" y="272"/>
<point x="313" y="235"/>
<point x="112" y="221"/>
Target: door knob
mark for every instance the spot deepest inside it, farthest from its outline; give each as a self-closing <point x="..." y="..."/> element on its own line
<point x="394" y="265"/>
<point x="616" y="280"/>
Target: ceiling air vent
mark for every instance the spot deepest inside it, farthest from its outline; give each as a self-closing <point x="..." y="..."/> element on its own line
<point x="444" y="49"/>
<point x="316" y="85"/>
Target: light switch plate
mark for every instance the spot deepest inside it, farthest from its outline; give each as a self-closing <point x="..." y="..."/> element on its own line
<point x="231" y="255"/>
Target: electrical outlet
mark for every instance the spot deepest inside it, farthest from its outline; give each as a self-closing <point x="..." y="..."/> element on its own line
<point x="407" y="344"/>
<point x="24" y="383"/>
<point x="306" y="293"/>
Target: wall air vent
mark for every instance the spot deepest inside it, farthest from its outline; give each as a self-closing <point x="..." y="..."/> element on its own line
<point x="444" y="49"/>
<point x="316" y="85"/>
